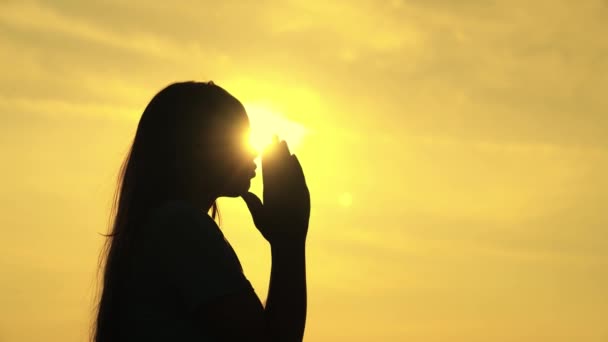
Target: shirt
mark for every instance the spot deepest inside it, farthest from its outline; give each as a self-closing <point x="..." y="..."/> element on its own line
<point x="180" y="262"/>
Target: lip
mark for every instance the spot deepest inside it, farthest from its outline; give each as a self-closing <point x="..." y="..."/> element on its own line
<point x="252" y="171"/>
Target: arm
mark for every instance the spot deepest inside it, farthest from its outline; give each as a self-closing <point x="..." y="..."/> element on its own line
<point x="285" y="311"/>
<point x="283" y="221"/>
<point x="241" y="316"/>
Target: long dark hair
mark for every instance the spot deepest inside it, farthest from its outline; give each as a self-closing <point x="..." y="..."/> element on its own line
<point x="159" y="166"/>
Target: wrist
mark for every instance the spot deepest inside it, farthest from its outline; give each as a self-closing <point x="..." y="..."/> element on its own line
<point x="288" y="247"/>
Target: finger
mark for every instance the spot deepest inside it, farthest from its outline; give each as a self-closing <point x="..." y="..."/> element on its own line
<point x="297" y="168"/>
<point x="298" y="174"/>
<point x="275" y="149"/>
<point x="268" y="159"/>
<point x="271" y="149"/>
<point x="277" y="152"/>
<point x="269" y="171"/>
<point x="283" y="149"/>
<point x="276" y="163"/>
<point x="256" y="208"/>
<point x="282" y="162"/>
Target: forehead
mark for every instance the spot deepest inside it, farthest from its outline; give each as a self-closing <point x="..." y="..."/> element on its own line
<point x="230" y="124"/>
<point x="241" y="117"/>
<point x="235" y="119"/>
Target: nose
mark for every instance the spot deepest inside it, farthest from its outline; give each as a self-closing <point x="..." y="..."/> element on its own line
<point x="253" y="152"/>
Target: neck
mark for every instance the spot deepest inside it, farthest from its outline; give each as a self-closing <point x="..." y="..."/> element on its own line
<point x="201" y="201"/>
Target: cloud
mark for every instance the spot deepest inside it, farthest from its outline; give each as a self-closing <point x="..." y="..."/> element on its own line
<point x="481" y="70"/>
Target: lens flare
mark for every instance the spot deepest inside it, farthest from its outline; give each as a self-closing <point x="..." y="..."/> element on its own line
<point x="265" y="123"/>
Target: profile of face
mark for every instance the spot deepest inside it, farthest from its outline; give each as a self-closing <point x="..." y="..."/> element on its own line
<point x="192" y="142"/>
<point x="228" y="161"/>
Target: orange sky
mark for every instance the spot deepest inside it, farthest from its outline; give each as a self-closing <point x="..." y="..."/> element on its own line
<point x="456" y="152"/>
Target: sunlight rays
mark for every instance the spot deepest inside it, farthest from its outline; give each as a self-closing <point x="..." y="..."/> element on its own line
<point x="265" y="123"/>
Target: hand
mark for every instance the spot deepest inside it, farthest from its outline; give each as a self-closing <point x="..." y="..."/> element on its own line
<point x="283" y="216"/>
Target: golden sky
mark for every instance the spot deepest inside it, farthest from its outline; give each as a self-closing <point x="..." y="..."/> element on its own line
<point x="456" y="152"/>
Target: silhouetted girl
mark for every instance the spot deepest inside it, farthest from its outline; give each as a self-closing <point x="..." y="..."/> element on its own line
<point x="169" y="274"/>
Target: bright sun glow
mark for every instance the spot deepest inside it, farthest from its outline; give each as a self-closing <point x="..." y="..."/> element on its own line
<point x="265" y="123"/>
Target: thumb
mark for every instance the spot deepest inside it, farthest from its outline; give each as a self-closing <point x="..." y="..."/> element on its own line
<point x="256" y="208"/>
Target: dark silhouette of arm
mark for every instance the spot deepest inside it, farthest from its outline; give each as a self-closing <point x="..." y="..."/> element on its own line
<point x="285" y="311"/>
<point x="241" y="316"/>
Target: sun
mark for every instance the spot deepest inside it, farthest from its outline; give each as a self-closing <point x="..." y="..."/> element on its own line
<point x="265" y="123"/>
